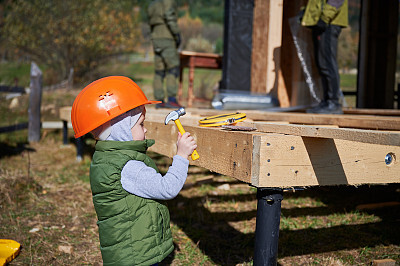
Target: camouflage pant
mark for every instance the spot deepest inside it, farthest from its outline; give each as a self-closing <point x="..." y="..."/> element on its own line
<point x="166" y="64"/>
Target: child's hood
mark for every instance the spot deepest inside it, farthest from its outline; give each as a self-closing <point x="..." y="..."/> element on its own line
<point x="119" y="128"/>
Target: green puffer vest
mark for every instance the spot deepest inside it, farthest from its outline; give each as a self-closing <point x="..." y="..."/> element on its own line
<point x="132" y="230"/>
<point x="319" y="9"/>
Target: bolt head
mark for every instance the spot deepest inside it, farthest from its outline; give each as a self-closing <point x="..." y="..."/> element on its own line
<point x="388" y="158"/>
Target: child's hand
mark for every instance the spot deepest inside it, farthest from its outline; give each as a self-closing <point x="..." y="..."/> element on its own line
<point x="185" y="145"/>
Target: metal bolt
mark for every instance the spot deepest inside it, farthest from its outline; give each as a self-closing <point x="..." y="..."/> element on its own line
<point x="389" y="158"/>
<point x="292" y="148"/>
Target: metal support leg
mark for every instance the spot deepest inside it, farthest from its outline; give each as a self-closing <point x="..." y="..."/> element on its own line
<point x="79" y="149"/>
<point x="267" y="225"/>
<point x="65" y="132"/>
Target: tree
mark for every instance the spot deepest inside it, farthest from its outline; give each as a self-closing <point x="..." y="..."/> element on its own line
<point x="72" y="34"/>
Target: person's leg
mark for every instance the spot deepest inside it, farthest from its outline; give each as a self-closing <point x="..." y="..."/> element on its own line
<point x="171" y="57"/>
<point x="159" y="72"/>
<point x="316" y="39"/>
<point x="330" y="69"/>
<point x="336" y="30"/>
<point x="325" y="45"/>
<point x="171" y="77"/>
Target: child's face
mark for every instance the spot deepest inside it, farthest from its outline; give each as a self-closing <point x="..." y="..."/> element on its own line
<point x="138" y="130"/>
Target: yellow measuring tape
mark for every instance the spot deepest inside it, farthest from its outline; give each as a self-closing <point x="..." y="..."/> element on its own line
<point x="220" y="120"/>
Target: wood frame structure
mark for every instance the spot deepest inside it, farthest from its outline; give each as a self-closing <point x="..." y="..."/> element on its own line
<point x="288" y="149"/>
<point x="308" y="153"/>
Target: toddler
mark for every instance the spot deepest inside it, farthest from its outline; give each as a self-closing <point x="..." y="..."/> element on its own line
<point x="128" y="191"/>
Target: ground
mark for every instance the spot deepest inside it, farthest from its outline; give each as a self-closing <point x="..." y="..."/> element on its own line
<point x="46" y="205"/>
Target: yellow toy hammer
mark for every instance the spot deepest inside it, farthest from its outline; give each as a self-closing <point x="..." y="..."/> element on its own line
<point x="174" y="115"/>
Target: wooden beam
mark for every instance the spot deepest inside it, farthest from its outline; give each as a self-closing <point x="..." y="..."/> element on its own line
<point x="223" y="152"/>
<point x="266" y="46"/>
<point x="303" y="161"/>
<point x="278" y="160"/>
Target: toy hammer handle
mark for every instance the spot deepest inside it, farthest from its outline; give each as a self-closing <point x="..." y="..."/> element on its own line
<point x="195" y="155"/>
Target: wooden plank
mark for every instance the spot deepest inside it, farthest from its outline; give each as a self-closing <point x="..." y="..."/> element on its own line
<point x="259" y="57"/>
<point x="360" y="121"/>
<point x="191" y="53"/>
<point x="350" y="121"/>
<point x="267" y="40"/>
<point x="290" y="65"/>
<point x="65" y="113"/>
<point x="283" y="127"/>
<point x="316" y="131"/>
<point x="363" y="111"/>
<point x="358" y="135"/>
<point x="283" y="95"/>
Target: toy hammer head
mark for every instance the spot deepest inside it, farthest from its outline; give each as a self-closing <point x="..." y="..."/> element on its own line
<point x="175" y="115"/>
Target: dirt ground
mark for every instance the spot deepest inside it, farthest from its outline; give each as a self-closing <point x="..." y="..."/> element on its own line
<point x="46" y="205"/>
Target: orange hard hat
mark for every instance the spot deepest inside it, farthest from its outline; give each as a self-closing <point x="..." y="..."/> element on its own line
<point x="103" y="100"/>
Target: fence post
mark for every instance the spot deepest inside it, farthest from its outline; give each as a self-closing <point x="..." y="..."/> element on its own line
<point x="35" y="98"/>
<point x="70" y="84"/>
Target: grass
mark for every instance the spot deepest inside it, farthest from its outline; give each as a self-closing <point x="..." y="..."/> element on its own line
<point x="46" y="205"/>
<point x="13" y="72"/>
<point x="348" y="82"/>
<point x="42" y="187"/>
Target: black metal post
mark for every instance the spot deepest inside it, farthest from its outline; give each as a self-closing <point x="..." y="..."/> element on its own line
<point x="79" y="149"/>
<point x="267" y="225"/>
<point x="65" y="132"/>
